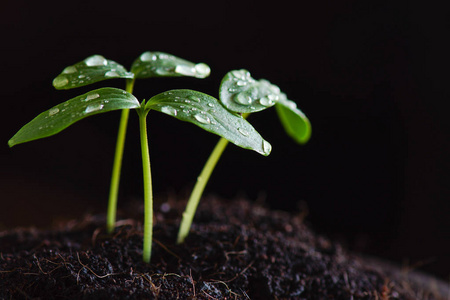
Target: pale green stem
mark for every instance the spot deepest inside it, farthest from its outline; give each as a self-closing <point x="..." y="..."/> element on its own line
<point x="148" y="193"/>
<point x="202" y="180"/>
<point x="117" y="165"/>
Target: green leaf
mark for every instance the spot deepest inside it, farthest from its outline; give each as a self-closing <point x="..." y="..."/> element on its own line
<point x="93" y="69"/>
<point x="160" y="64"/>
<point x="294" y="121"/>
<point x="206" y="112"/>
<point x="65" y="114"/>
<point x="239" y="92"/>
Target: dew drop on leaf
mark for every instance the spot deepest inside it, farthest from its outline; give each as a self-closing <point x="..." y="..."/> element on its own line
<point x="266" y="101"/>
<point x="267" y="147"/>
<point x="194" y="98"/>
<point x="239" y="74"/>
<point x="69" y="70"/>
<point x="202" y="119"/>
<point x="185" y="70"/>
<point x="93" y="107"/>
<point x="53" y="111"/>
<point x="60" y="81"/>
<point x="243" y="99"/>
<point x="148" y="56"/>
<point x="202" y="70"/>
<point x="243" y="132"/>
<point x="169" y="110"/>
<point x="95" y="61"/>
<point x="163" y="71"/>
<point x="91" y="96"/>
<point x="111" y="74"/>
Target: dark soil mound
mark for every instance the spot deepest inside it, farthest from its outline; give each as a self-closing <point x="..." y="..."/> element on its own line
<point x="236" y="250"/>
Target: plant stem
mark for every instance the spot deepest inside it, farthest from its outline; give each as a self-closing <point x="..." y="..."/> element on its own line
<point x="202" y="180"/>
<point x="148" y="193"/>
<point x="117" y="165"/>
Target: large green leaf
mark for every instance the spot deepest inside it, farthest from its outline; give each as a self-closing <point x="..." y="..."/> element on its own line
<point x="294" y="120"/>
<point x="63" y="115"/>
<point x="93" y="69"/>
<point x="206" y="112"/>
<point x="160" y="64"/>
<point x="239" y="92"/>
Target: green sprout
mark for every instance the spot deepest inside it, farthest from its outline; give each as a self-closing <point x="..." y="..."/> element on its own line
<point x="242" y="94"/>
<point x="96" y="68"/>
<point x="187" y="105"/>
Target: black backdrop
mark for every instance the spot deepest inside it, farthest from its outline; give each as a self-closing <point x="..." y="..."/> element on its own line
<point x="371" y="76"/>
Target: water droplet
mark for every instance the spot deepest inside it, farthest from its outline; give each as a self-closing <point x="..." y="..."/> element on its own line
<point x="169" y="110"/>
<point x="69" y="70"/>
<point x="91" y="96"/>
<point x="241" y="83"/>
<point x="202" y="70"/>
<point x="164" y="56"/>
<point x="243" y="132"/>
<point x="148" y="56"/>
<point x="53" y="111"/>
<point x="275" y="89"/>
<point x="93" y="107"/>
<point x="267" y="147"/>
<point x="95" y="61"/>
<point x="185" y="70"/>
<point x="60" y="81"/>
<point x="163" y="71"/>
<point x="273" y="97"/>
<point x="243" y="99"/>
<point x="194" y="98"/>
<point x="292" y="105"/>
<point x="202" y="119"/>
<point x="112" y="74"/>
<point x="81" y="76"/>
<point x="265" y="101"/>
<point x="240" y="74"/>
<point x="210" y="104"/>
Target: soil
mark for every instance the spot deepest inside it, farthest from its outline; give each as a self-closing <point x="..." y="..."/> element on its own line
<point x="236" y="250"/>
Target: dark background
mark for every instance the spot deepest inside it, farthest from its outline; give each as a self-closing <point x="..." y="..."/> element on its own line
<point x="372" y="76"/>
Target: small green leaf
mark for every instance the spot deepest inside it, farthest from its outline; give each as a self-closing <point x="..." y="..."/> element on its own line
<point x="294" y="121"/>
<point x="159" y="64"/>
<point x="93" y="69"/>
<point x="206" y="112"/>
<point x="239" y="92"/>
<point x="65" y="114"/>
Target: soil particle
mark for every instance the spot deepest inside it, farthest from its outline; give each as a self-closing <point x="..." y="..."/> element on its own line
<point x="236" y="250"/>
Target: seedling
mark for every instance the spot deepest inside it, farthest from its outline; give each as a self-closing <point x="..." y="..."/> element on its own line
<point x="187" y="105"/>
<point x="240" y="93"/>
<point x="96" y="68"/>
